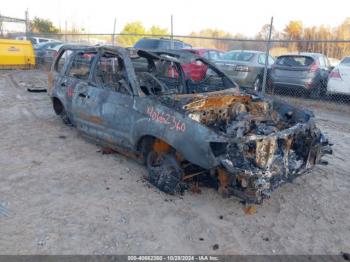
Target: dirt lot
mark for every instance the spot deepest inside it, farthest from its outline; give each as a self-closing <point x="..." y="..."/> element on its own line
<point x="59" y="195"/>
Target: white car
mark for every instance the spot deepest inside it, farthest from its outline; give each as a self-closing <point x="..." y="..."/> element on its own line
<point x="333" y="61"/>
<point x="339" y="78"/>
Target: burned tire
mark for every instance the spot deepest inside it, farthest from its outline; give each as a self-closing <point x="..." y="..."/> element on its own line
<point x="164" y="172"/>
<point x="65" y="117"/>
<point x="61" y="111"/>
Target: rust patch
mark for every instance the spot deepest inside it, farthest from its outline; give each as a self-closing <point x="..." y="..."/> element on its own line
<point x="249" y="210"/>
<point x="258" y="108"/>
<point x="93" y="119"/>
<point x="160" y="146"/>
<point x="195" y="189"/>
<point x="216" y="102"/>
<point x="224" y="180"/>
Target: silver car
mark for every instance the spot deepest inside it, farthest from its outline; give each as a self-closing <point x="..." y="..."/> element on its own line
<point x="245" y="67"/>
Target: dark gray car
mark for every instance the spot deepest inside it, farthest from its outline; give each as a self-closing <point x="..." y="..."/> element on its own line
<point x="245" y="67"/>
<point x="184" y="131"/>
<point x="305" y="72"/>
<point x="41" y="50"/>
<point x="160" y="44"/>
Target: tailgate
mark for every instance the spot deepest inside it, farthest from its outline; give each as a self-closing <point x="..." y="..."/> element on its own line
<point x="294" y="66"/>
<point x="292" y="72"/>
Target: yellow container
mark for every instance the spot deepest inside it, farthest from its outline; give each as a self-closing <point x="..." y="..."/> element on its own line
<point x="16" y="54"/>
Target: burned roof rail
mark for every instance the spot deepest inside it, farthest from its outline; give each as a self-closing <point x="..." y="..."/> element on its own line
<point x="77" y="47"/>
<point x="157" y="55"/>
<point x="179" y="53"/>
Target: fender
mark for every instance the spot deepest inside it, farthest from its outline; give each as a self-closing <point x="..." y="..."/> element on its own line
<point x="179" y="131"/>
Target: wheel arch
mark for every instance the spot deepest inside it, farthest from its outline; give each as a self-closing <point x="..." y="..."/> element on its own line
<point x="58" y="106"/>
<point x="148" y="142"/>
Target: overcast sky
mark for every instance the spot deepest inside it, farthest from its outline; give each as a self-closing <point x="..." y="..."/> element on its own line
<point x="242" y="16"/>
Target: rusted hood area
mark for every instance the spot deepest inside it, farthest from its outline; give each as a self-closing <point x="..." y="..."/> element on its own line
<point x="269" y="142"/>
<point x="238" y="115"/>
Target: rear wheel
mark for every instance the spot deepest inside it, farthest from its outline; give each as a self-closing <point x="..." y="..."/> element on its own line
<point x="164" y="172"/>
<point x="61" y="111"/>
<point x="314" y="93"/>
<point x="323" y="89"/>
<point x="270" y="89"/>
<point x="319" y="91"/>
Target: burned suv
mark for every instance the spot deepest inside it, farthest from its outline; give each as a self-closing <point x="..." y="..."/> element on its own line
<point x="184" y="130"/>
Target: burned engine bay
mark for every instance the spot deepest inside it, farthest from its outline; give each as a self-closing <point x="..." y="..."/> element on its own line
<point x="267" y="142"/>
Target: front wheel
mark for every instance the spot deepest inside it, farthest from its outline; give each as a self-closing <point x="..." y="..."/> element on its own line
<point x="314" y="93"/>
<point x="164" y="172"/>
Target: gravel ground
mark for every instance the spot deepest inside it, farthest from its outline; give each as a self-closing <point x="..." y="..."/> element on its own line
<point x="59" y="195"/>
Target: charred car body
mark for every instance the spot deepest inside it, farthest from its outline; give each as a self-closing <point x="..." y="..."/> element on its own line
<point x="184" y="130"/>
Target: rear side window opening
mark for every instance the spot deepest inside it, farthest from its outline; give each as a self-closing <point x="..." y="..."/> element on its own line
<point x="262" y="58"/>
<point x="295" y="61"/>
<point x="62" y="61"/>
<point x="81" y="65"/>
<point x="238" y="56"/>
<point x="110" y="73"/>
<point x="176" y="76"/>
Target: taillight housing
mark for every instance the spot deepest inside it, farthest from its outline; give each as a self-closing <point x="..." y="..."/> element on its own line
<point x="313" y="68"/>
<point x="335" y="74"/>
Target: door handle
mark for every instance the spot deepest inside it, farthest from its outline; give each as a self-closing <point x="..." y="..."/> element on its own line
<point x="83" y="95"/>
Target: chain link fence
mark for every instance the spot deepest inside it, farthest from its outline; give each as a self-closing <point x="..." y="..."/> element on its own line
<point x="305" y="72"/>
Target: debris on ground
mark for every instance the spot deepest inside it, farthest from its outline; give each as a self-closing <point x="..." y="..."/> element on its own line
<point x="249" y="210"/>
<point x="37" y="90"/>
<point x="216" y="247"/>
<point x="106" y="151"/>
<point x="195" y="189"/>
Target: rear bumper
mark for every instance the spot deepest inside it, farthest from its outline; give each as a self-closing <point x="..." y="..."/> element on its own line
<point x="295" y="83"/>
<point x="338" y="87"/>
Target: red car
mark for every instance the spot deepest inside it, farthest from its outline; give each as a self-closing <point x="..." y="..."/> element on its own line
<point x="196" y="70"/>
